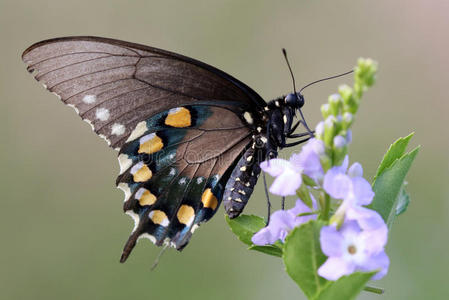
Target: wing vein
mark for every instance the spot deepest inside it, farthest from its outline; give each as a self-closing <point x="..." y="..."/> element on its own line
<point x="87" y="74"/>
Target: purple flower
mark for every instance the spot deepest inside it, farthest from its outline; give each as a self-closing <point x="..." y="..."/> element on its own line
<point x="352" y="249"/>
<point x="349" y="186"/>
<point x="309" y="159"/>
<point x="287" y="173"/>
<point x="282" y="222"/>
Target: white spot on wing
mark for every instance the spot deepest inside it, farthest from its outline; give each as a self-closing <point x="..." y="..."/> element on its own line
<point x="105" y="138"/>
<point x="59" y="97"/>
<point x="182" y="180"/>
<point x="90" y="123"/>
<point x="125" y="162"/>
<point x="172" y="171"/>
<point x="139" y="193"/>
<point x="117" y="129"/>
<point x="136" y="167"/>
<point x="174" y="110"/>
<point x="147" y="138"/>
<point x="89" y="99"/>
<point x="135" y="218"/>
<point x="248" y="117"/>
<point x="148" y="236"/>
<point x="102" y="114"/>
<point x="125" y="188"/>
<point x="74" y="107"/>
<point x="194" y="227"/>
<point x="199" y="180"/>
<point x="138" y="131"/>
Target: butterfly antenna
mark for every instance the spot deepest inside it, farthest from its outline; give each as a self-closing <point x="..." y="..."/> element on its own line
<point x="158" y="258"/>
<point x="290" y="69"/>
<point x="324" y="79"/>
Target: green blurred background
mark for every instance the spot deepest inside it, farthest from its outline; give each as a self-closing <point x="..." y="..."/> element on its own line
<point x="61" y="222"/>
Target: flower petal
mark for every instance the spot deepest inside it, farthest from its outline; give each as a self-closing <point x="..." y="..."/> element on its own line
<point x="337" y="184"/>
<point x="355" y="170"/>
<point x="263" y="237"/>
<point x="379" y="262"/>
<point x="362" y="191"/>
<point x="331" y="241"/>
<point x="275" y="167"/>
<point x="286" y="184"/>
<point x="335" y="267"/>
<point x="367" y="219"/>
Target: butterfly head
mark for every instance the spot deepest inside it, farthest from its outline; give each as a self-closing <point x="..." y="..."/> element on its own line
<point x="294" y="100"/>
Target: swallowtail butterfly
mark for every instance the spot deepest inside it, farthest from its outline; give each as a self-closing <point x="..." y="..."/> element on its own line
<point x="188" y="135"/>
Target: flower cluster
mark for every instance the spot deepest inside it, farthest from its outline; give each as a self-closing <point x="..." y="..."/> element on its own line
<point x="355" y="236"/>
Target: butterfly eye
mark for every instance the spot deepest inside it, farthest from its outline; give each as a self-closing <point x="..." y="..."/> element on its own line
<point x="296" y="101"/>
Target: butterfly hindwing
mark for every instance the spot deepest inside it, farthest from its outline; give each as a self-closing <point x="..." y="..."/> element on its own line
<point x="175" y="169"/>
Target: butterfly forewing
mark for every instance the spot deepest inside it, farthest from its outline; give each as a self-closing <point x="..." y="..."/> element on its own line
<point x="114" y="85"/>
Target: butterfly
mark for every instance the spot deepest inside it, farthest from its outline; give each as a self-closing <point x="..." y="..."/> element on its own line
<point x="188" y="135"/>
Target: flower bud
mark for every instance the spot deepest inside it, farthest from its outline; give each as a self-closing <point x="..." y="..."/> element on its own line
<point x="347" y="120"/>
<point x="339" y="141"/>
<point x="319" y="130"/>
<point x="330" y="130"/>
<point x="335" y="104"/>
<point x="349" y="102"/>
<point x="325" y="110"/>
<point x="340" y="149"/>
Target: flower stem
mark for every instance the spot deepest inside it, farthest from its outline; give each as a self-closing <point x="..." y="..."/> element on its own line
<point x="327" y="207"/>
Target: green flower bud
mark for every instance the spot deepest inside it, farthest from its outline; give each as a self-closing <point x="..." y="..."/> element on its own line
<point x="325" y="110"/>
<point x="349" y="102"/>
<point x="330" y="129"/>
<point x="347" y="120"/>
<point x="340" y="149"/>
<point x="319" y="130"/>
<point x="335" y="104"/>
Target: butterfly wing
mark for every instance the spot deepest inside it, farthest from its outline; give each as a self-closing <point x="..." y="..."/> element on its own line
<point x="174" y="177"/>
<point x="180" y="126"/>
<point x="113" y="85"/>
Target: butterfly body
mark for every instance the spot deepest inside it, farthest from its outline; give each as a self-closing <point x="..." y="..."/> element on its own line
<point x="188" y="135"/>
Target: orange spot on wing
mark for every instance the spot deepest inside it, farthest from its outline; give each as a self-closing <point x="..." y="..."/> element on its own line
<point x="147" y="198"/>
<point x="159" y="217"/>
<point x="209" y="200"/>
<point x="152" y="145"/>
<point x="143" y="174"/>
<point x="185" y="214"/>
<point x="179" y="117"/>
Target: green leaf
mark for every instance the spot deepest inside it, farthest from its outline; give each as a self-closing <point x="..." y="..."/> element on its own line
<point x="388" y="184"/>
<point x="303" y="256"/>
<point x="396" y="151"/>
<point x="269" y="249"/>
<point x="403" y="200"/>
<point x="345" y="288"/>
<point x="244" y="227"/>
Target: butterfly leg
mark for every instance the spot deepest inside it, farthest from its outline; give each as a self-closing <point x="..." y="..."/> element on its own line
<point x="294" y="127"/>
<point x="283" y="203"/>
<point x="268" y="198"/>
<point x="299" y="135"/>
<point x="286" y="145"/>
